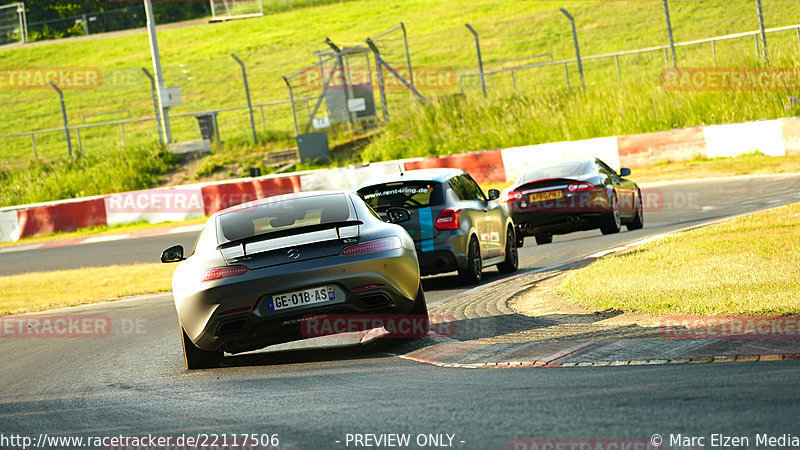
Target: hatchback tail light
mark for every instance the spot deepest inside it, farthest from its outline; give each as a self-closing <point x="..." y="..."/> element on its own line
<point x="224" y="272"/>
<point x="448" y="219"/>
<point x="580" y="187"/>
<point x="378" y="245"/>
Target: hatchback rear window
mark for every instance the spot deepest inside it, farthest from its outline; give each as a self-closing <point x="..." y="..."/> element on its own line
<point x="283" y="215"/>
<point x="560" y="170"/>
<point x="403" y="194"/>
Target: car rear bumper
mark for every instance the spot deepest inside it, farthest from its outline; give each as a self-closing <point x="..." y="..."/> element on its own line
<point x="447" y="253"/>
<point x="233" y="315"/>
<point x="581" y="211"/>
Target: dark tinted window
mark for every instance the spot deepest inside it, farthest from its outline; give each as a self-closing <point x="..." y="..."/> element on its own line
<point x="460" y="189"/>
<point x="475" y="192"/>
<point x="569" y="169"/>
<point x="404" y="194"/>
<point x="283" y="215"/>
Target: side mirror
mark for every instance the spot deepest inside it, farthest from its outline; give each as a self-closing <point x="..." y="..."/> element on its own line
<point x="624" y="172"/>
<point x="172" y="254"/>
<point x="398" y="215"/>
<point x="494" y="194"/>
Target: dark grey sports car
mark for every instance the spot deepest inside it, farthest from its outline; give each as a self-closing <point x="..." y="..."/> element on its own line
<point x="573" y="195"/>
<point x="259" y="270"/>
<point x="454" y="225"/>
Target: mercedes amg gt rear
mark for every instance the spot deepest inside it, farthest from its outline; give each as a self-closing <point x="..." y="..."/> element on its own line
<point x="259" y="269"/>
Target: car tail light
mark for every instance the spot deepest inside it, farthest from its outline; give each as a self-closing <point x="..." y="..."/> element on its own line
<point x="236" y="310"/>
<point x="369" y="286"/>
<point x="448" y="219"/>
<point x="379" y="245"/>
<point x="224" y="272"/>
<point x="580" y="187"/>
<point x="513" y="196"/>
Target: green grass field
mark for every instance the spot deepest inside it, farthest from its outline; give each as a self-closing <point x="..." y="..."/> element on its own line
<point x="535" y="108"/>
<point x="748" y="265"/>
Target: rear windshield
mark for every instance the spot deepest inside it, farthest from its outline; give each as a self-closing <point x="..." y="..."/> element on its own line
<point x="283" y="215"/>
<point x="404" y="194"/>
<point x="570" y="169"/>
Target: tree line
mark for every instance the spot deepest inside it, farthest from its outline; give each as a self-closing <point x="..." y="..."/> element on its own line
<point x="49" y="19"/>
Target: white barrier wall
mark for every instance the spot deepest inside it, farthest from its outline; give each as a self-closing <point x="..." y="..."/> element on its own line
<point x="518" y="159"/>
<point x="740" y="138"/>
<point x="347" y="178"/>
<point x="9" y="226"/>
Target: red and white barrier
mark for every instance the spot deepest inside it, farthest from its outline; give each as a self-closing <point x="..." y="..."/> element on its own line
<point x="155" y="205"/>
<point x="771" y="137"/>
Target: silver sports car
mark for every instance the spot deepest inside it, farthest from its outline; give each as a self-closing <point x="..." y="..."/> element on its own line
<point x="259" y="270"/>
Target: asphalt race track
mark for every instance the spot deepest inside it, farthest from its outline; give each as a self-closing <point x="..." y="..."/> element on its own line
<point x="131" y="382"/>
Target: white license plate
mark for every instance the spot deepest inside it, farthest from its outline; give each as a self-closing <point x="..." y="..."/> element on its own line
<point x="295" y="299"/>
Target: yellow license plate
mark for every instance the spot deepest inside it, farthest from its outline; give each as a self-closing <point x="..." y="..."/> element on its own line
<point x="542" y="196"/>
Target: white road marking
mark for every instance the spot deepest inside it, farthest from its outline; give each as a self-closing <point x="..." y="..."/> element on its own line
<point x="606" y="252"/>
<point x="115" y="237"/>
<point x="708" y="208"/>
<point x="20" y="248"/>
<point x="187" y="229"/>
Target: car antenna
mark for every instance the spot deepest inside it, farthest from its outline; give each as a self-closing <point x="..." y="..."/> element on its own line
<point x="400" y="167"/>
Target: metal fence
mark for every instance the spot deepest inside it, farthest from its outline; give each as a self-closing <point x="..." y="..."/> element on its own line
<point x="526" y="54"/>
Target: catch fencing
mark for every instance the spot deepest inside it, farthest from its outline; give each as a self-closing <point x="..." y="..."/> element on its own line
<point x="528" y="54"/>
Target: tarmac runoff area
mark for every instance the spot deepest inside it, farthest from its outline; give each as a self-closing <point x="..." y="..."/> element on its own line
<point x="525" y="323"/>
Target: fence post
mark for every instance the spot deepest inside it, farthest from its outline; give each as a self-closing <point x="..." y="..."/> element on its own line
<point x="247" y="92"/>
<point x="291" y="100"/>
<point x="381" y="87"/>
<point x="85" y="23"/>
<point x="763" y="31"/>
<point x="263" y="122"/>
<point x="80" y="142"/>
<point x="64" y="116"/>
<point x="575" y="43"/>
<point x="122" y="130"/>
<point x="408" y="55"/>
<point x="669" y="33"/>
<point x="566" y="75"/>
<point x="798" y="35"/>
<point x="480" y="60"/>
<point x="619" y="73"/>
<point x="33" y="141"/>
<point x="155" y="105"/>
<point x="758" y="47"/>
<point x="714" y="51"/>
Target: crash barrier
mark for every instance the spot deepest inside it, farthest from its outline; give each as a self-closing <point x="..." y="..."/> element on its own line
<point x="771" y="137"/>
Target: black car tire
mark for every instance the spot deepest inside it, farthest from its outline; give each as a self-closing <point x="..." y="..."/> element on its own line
<point x="197" y="358"/>
<point x="611" y="223"/>
<point x="544" y="238"/>
<point x="420" y="308"/>
<point x="511" y="263"/>
<point x="473" y="272"/>
<point x="638" y="218"/>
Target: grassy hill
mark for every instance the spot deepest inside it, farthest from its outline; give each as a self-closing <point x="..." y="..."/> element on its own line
<point x="536" y="108"/>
